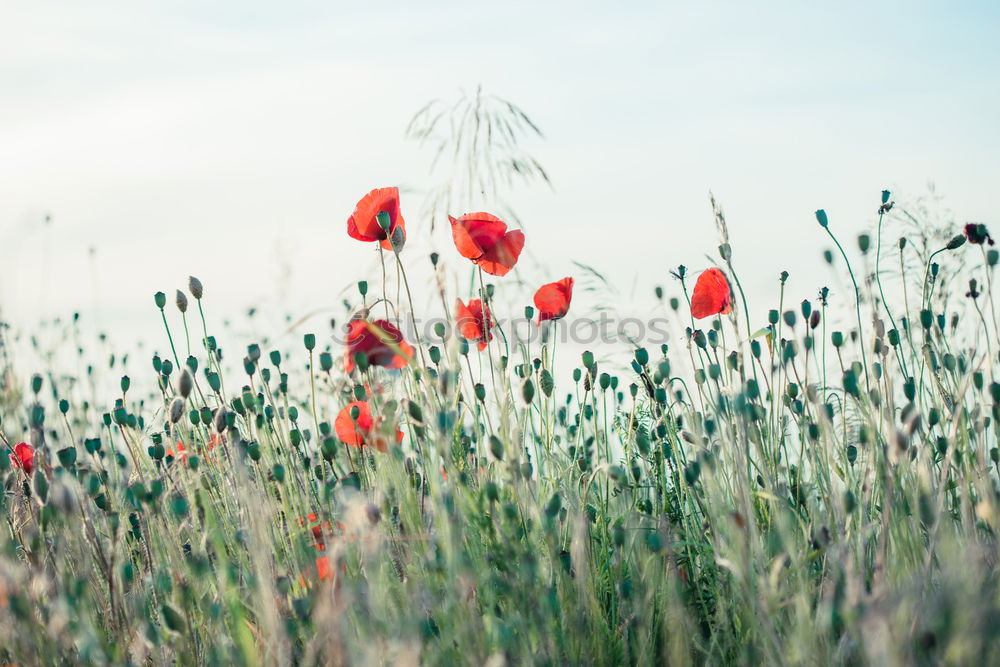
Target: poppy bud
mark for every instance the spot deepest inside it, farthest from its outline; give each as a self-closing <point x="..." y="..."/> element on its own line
<point x="496" y="448"/>
<point x="181" y="301"/>
<point x="837" y="338"/>
<point x="864" y="243"/>
<point x="195" y="287"/>
<point x="772" y="316"/>
<point x="397" y="238"/>
<point x="434" y="258"/>
<point x="659" y="293"/>
<point x="529" y="312"/>
<point x="176" y="410"/>
<point x="528" y="391"/>
<point x="160" y="299"/>
<point x="253" y="352"/>
<point x="220" y="420"/>
<point x="806" y="309"/>
<point x="789" y="317"/>
<point x="991" y="257"/>
<point x="588" y="359"/>
<point x="725" y="251"/>
<point x="957" y="241"/>
<point x="821" y="218"/>
<point x="814" y="319"/>
<point x="185" y="385"/>
<point x="675" y="303"/>
<point x="325" y="361"/>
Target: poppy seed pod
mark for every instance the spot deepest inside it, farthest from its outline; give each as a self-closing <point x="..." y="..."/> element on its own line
<point x="325" y="361"/>
<point x="160" y="299"/>
<point x="181" y="301"/>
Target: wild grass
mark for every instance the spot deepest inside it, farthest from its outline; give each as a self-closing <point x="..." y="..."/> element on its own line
<point x="778" y="491"/>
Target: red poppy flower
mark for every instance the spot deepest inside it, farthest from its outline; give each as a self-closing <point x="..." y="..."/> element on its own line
<point x="363" y="223"/>
<point x="323" y="569"/>
<point x="474" y="321"/>
<point x="378" y="341"/>
<point x="181" y="453"/>
<point x="977" y="233"/>
<point x="23" y="457"/>
<point x="484" y="239"/>
<point x="552" y="300"/>
<point x="364" y="431"/>
<point x="317" y="530"/>
<point x="712" y="295"/>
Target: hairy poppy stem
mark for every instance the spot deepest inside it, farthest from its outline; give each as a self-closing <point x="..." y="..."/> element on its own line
<point x="857" y="305"/>
<point x="878" y="281"/>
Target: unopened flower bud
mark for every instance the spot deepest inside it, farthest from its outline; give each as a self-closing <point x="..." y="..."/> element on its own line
<point x="176" y="410"/>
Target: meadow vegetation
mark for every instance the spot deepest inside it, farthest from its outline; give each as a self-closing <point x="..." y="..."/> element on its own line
<point x="769" y="488"/>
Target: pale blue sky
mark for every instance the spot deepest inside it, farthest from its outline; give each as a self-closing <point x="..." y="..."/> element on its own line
<point x="231" y="141"/>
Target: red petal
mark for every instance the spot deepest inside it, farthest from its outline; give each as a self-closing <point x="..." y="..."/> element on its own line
<point x="350" y="431"/>
<point x="502" y="257"/>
